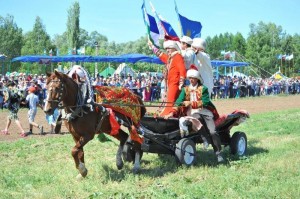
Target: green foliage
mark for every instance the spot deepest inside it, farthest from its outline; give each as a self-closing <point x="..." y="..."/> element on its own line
<point x="73" y="29"/>
<point x="264" y="42"/>
<point x="11" y="41"/>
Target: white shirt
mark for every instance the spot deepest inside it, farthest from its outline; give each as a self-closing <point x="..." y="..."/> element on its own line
<point x="206" y="71"/>
<point x="189" y="57"/>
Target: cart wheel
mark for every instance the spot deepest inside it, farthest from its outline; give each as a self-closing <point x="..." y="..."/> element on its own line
<point x="238" y="143"/>
<point x="186" y="151"/>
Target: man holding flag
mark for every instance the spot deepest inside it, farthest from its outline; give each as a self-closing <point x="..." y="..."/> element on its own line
<point x="175" y="72"/>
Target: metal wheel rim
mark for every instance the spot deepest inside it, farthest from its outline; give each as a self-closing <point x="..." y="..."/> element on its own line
<point x="241" y="146"/>
<point x="188" y="154"/>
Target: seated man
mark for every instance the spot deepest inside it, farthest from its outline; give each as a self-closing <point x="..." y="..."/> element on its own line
<point x="81" y="76"/>
<point x="195" y="98"/>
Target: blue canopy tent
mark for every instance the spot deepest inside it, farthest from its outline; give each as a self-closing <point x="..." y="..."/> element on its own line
<point x="125" y="58"/>
<point x="216" y="64"/>
<point x="128" y="58"/>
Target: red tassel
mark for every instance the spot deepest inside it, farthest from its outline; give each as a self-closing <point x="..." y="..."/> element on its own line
<point x="115" y="126"/>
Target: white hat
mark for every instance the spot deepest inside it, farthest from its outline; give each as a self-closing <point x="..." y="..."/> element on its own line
<point x="187" y="40"/>
<point x="194" y="73"/>
<point x="171" y="44"/>
<point x="199" y="43"/>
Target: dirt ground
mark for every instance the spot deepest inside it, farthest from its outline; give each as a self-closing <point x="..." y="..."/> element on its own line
<point x="252" y="105"/>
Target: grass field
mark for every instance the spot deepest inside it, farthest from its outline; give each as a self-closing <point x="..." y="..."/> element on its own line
<point x="42" y="167"/>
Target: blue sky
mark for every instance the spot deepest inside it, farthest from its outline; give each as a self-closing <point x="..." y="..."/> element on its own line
<point x="122" y="21"/>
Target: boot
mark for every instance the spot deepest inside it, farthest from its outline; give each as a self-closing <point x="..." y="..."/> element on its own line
<point x="220" y="157"/>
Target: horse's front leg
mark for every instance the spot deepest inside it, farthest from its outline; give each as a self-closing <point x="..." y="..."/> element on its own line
<point x="78" y="156"/>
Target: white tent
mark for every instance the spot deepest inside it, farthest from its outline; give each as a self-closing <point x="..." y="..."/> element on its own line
<point x="124" y="70"/>
<point x="237" y="74"/>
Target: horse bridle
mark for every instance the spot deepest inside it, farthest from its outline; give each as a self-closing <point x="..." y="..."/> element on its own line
<point x="60" y="92"/>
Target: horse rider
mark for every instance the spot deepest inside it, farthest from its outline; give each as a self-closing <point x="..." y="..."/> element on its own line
<point x="81" y="76"/>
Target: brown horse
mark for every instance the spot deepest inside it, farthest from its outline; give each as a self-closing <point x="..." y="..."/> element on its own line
<point x="85" y="122"/>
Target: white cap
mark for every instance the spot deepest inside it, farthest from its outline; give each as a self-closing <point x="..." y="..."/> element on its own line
<point x="194" y="73"/>
<point x="187" y="40"/>
<point x="199" y="43"/>
<point x="171" y="44"/>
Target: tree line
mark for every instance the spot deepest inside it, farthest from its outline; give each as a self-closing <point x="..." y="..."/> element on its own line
<point x="261" y="48"/>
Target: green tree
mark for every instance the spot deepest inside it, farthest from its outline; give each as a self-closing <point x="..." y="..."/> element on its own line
<point x="37" y="41"/>
<point x="265" y="41"/>
<point x="11" y="41"/>
<point x="60" y="42"/>
<point x="239" y="44"/>
<point x="73" y="30"/>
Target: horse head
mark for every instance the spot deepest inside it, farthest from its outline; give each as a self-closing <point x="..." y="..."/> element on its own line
<point x="61" y="92"/>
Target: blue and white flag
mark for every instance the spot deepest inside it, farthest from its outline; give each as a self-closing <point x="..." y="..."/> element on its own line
<point x="151" y="25"/>
<point x="169" y="32"/>
<point x="188" y="27"/>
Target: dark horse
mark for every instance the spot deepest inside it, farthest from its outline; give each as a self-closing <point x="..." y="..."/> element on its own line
<point x="63" y="93"/>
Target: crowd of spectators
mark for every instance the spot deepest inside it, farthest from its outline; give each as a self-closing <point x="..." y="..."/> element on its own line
<point x="150" y="87"/>
<point x="236" y="87"/>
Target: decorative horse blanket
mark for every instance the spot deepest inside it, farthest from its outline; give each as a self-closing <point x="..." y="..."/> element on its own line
<point x="121" y="100"/>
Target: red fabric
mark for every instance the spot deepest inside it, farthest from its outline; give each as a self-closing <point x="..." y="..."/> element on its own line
<point x="135" y="136"/>
<point x="175" y="71"/>
<point x="223" y="117"/>
<point x="115" y="126"/>
<point x="119" y="99"/>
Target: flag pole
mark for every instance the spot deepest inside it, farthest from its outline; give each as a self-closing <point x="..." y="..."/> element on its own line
<point x="180" y="25"/>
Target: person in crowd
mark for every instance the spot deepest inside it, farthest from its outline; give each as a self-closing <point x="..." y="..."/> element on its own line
<point x="13" y="99"/>
<point x="196" y="100"/>
<point x="199" y="46"/>
<point x="163" y="88"/>
<point x="243" y="87"/>
<point x="175" y="72"/>
<point x="33" y="101"/>
<point x="147" y="93"/>
<point x="216" y="88"/>
<point x="51" y="119"/>
<point x="1" y="95"/>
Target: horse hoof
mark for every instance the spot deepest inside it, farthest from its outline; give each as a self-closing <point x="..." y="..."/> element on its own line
<point x="120" y="165"/>
<point x="135" y="170"/>
<point x="79" y="177"/>
<point x="84" y="173"/>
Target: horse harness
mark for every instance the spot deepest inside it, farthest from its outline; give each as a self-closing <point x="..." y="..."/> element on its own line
<point x="78" y="112"/>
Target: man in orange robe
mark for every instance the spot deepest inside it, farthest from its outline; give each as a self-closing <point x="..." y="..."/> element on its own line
<point x="175" y="72"/>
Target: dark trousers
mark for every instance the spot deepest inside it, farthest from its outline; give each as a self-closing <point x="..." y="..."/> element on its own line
<point x="210" y="124"/>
